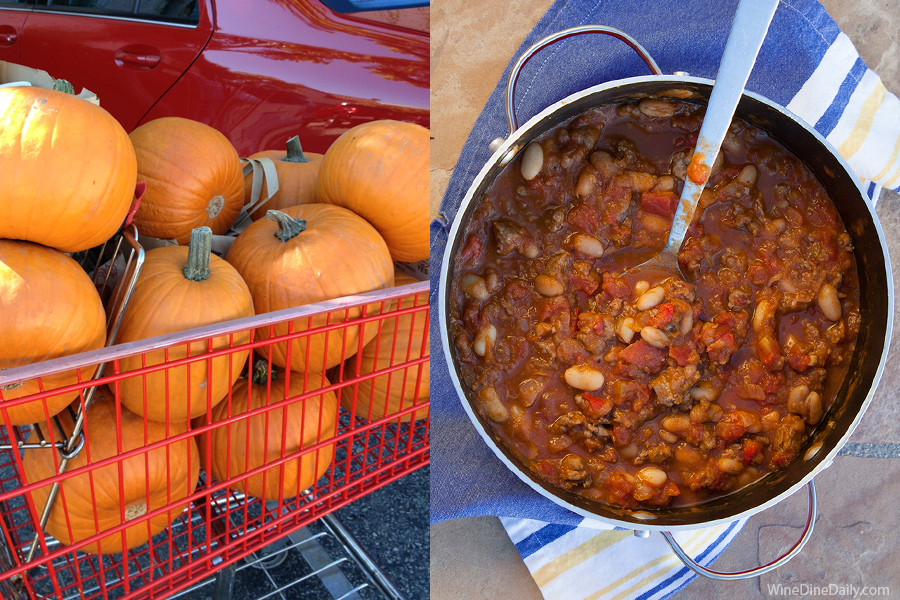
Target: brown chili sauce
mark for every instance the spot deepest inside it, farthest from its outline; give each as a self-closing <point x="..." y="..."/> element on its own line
<point x="640" y="389"/>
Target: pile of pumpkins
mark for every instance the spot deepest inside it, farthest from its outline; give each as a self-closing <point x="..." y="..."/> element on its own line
<point x="335" y="227"/>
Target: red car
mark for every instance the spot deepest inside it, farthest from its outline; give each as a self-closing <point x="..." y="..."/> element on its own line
<point x="259" y="71"/>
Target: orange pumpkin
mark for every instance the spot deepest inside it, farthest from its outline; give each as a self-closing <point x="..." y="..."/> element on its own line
<point x="194" y="179"/>
<point x="251" y="442"/>
<point x="306" y="254"/>
<point x="48" y="308"/>
<point x="181" y="288"/>
<point x="379" y="170"/>
<point x="297" y="172"/>
<point x="68" y="170"/>
<point x="149" y="480"/>
<point x="406" y="338"/>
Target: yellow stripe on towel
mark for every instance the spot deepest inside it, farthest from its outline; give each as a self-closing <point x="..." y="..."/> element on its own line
<point x="578" y="555"/>
<point x="863" y="122"/>
<point x="694" y="543"/>
<point x="673" y="560"/>
<point x="890" y="162"/>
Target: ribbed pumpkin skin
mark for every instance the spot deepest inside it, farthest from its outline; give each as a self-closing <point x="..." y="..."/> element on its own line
<point x="296" y="182"/>
<point x="79" y="498"/>
<point x="252" y="445"/>
<point x="48" y="308"/>
<point x="338" y="255"/>
<point x="67" y="170"/>
<point x="390" y="393"/>
<point x="191" y="170"/>
<point x="162" y="302"/>
<point x="379" y="170"/>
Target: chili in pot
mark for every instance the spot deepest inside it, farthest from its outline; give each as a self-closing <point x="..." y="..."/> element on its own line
<point x="634" y="389"/>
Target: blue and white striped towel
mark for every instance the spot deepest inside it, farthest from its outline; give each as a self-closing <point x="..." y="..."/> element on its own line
<point x="806" y="64"/>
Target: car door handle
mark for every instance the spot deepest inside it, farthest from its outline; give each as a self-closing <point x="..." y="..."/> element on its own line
<point x="8" y="39"/>
<point x="132" y="59"/>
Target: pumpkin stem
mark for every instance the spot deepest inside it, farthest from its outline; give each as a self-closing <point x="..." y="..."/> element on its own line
<point x="294" y="151"/>
<point x="199" y="250"/>
<point x="261" y="372"/>
<point x="288" y="227"/>
<point x="64" y="86"/>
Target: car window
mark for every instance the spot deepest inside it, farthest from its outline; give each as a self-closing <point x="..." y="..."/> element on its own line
<point x="188" y="10"/>
<point x="177" y="11"/>
<point x="15" y="3"/>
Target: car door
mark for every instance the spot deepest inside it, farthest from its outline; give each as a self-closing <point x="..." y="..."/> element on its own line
<point x="128" y="52"/>
<point x="12" y="20"/>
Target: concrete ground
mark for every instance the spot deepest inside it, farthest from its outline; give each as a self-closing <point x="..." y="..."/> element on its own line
<point x="855" y="541"/>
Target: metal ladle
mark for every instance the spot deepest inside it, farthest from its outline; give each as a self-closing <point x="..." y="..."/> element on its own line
<point x="751" y="22"/>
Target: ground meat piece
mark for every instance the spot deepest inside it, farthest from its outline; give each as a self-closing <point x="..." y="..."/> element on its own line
<point x="657" y="454"/>
<point x="738" y="298"/>
<point x="719" y="341"/>
<point x="567" y="422"/>
<point x="583" y="277"/>
<point x="673" y="384"/>
<point x="559" y="265"/>
<point x="554" y="219"/>
<point x="710" y="477"/>
<point x="678" y="164"/>
<point x="790" y="433"/>
<point x="571" y="352"/>
<point x="511" y="236"/>
<point x="573" y="469"/>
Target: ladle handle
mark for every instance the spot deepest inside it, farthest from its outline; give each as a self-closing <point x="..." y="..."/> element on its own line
<point x="756" y="571"/>
<point x="748" y="30"/>
<point x="550" y="39"/>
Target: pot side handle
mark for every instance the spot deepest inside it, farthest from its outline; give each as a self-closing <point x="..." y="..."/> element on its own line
<point x="550" y="39"/>
<point x="756" y="571"/>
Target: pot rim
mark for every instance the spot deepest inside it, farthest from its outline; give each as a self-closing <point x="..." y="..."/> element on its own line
<point x="506" y="151"/>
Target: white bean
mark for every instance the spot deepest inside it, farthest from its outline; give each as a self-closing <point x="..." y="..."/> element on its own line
<point x="687" y="323"/>
<point x="666" y="183"/>
<point x="779" y="225"/>
<point x="677" y="423"/>
<point x="651" y="298"/>
<point x="667" y="436"/>
<point x="770" y="421"/>
<point x="704" y="391"/>
<point x="624" y="331"/>
<point x="474" y="286"/>
<point x="797" y="399"/>
<point x="546" y="285"/>
<point x="814" y="407"/>
<point x="751" y="420"/>
<point x="532" y="161"/>
<point x="530" y="250"/>
<point x="654" y="337"/>
<point x="652" y="476"/>
<point x="761" y="315"/>
<point x="640" y="287"/>
<point x="829" y="303"/>
<point x="654" y="107"/>
<point x="748" y="175"/>
<point x="587" y="181"/>
<point x="588" y="245"/>
<point x="584" y="377"/>
<point x="484" y="340"/>
<point x="730" y="465"/>
<point x="492" y="405"/>
<point x="529" y="390"/>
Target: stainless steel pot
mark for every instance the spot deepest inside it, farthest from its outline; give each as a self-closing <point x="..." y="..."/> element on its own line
<point x="876" y="294"/>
